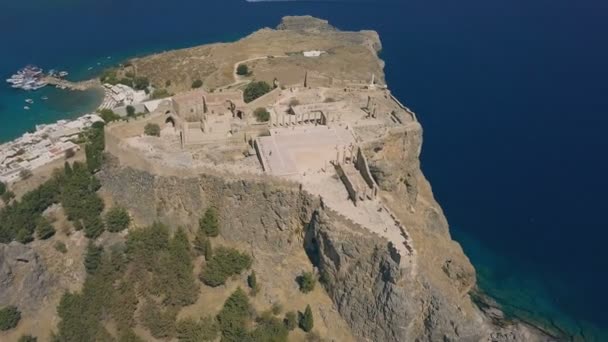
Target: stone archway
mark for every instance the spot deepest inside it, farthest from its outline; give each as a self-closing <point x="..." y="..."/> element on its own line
<point x="170" y="121"/>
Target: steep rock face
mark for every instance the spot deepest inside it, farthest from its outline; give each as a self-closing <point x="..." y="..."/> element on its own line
<point x="379" y="300"/>
<point x="24" y="280"/>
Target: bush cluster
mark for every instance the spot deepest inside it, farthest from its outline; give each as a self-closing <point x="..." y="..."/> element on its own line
<point x="9" y="317"/>
<point x="261" y="114"/>
<point x="255" y="90"/>
<point x="152" y="130"/>
<point x="224" y="263"/>
<point x="117" y="219"/>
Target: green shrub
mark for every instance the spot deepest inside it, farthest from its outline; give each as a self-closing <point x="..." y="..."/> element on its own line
<point x="306" y="281"/>
<point x="261" y="114"/>
<point x="152" y="129"/>
<point x="128" y="335"/>
<point x="27" y="338"/>
<point x="93" y="227"/>
<point x="117" y="219"/>
<point x="44" y="229"/>
<point x="253" y="283"/>
<point x="255" y="90"/>
<point x="276" y="308"/>
<point x="242" y="70"/>
<point x="8" y="196"/>
<point x="234" y="316"/>
<point x="2" y="188"/>
<point x="209" y="223"/>
<point x="269" y="329"/>
<point x="306" y="321"/>
<point x="200" y="242"/>
<point x="9" y="317"/>
<point x="92" y="258"/>
<point x="291" y="320"/>
<point x="130" y="111"/>
<point x="197" y="84"/>
<point x="60" y="247"/>
<point x="160" y="93"/>
<point x="190" y="330"/>
<point x="108" y="115"/>
<point x="141" y="83"/>
<point x="160" y="323"/>
<point x="225" y="262"/>
<point x="25" y="174"/>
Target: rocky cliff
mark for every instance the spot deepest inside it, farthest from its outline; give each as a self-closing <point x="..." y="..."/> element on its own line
<point x="379" y="300"/>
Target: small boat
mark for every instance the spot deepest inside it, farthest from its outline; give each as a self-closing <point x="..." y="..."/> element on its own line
<point x="90" y="68"/>
<point x="30" y="101"/>
<point x="63" y="73"/>
<point x="45" y="98"/>
<point x="26" y="107"/>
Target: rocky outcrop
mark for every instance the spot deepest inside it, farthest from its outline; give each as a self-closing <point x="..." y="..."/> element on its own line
<point x="379" y="300"/>
<point x="24" y="280"/>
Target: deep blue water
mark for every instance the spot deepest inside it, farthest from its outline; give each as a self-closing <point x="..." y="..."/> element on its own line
<point x="512" y="94"/>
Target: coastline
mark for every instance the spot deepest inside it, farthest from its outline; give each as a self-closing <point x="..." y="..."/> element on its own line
<point x="524" y="321"/>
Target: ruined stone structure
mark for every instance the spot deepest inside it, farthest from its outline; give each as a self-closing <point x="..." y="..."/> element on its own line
<point x="201" y="117"/>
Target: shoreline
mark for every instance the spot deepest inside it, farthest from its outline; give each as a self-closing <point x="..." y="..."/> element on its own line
<point x="105" y="96"/>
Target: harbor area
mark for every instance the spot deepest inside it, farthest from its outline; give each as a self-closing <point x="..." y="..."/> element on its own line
<point x="50" y="142"/>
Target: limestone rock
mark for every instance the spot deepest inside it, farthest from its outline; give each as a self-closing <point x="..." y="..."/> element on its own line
<point x="24" y="280"/>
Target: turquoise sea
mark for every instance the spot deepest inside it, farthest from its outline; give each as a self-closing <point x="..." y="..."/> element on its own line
<point x="512" y="95"/>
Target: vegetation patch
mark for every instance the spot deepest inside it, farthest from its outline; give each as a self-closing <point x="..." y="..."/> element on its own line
<point x="224" y="263"/>
<point x="255" y="90"/>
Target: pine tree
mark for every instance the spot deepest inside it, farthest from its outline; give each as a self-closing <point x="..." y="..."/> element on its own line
<point x="200" y="242"/>
<point x="208" y="250"/>
<point x="253" y="283"/>
<point x="93" y="228"/>
<point x="117" y="219"/>
<point x="44" y="229"/>
<point x="209" y="223"/>
<point x="306" y="322"/>
<point x="291" y="320"/>
<point x="92" y="259"/>
<point x="67" y="169"/>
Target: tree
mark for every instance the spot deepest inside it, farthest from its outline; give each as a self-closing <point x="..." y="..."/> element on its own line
<point x="253" y="283"/>
<point x="61" y="247"/>
<point x="261" y="114"/>
<point x="130" y="111"/>
<point x="291" y="320"/>
<point x="190" y="330"/>
<point x="2" y="188"/>
<point x="160" y="93"/>
<point x="197" y="84"/>
<point x="255" y="90"/>
<point x="209" y="223"/>
<point x="92" y="259"/>
<point x="93" y="227"/>
<point x="108" y="115"/>
<point x="306" y="321"/>
<point x="69" y="153"/>
<point x="208" y="250"/>
<point x="141" y="83"/>
<point x="234" y="316"/>
<point x="9" y="317"/>
<point x="269" y="329"/>
<point x="25" y="174"/>
<point x="307" y="282"/>
<point x="225" y="262"/>
<point x="152" y="129"/>
<point x="200" y="242"/>
<point x="44" y="229"/>
<point x="242" y="70"/>
<point x="117" y="219"/>
<point x="27" y="338"/>
<point x="8" y="196"/>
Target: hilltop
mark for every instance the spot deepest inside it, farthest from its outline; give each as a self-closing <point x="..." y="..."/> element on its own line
<point x="306" y="167"/>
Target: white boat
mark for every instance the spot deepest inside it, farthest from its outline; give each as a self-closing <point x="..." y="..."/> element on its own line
<point x="26" y="107"/>
<point x="30" y="101"/>
<point x="63" y="73"/>
<point x="45" y="98"/>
